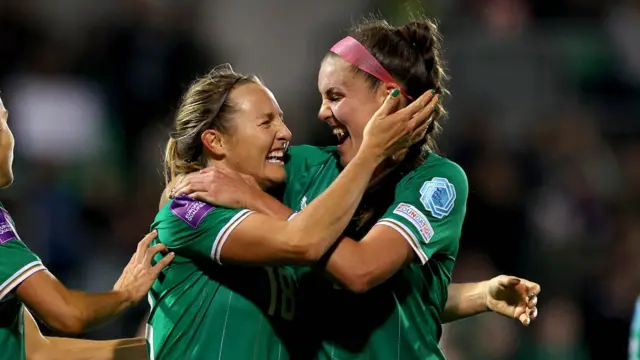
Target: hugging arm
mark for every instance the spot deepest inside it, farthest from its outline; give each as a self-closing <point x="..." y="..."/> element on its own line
<point x="359" y="266"/>
<point x="255" y="238"/>
<point x="39" y="347"/>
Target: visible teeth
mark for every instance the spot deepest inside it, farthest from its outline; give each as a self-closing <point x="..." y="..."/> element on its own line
<point x="275" y="156"/>
<point x="341" y="133"/>
<point x="276" y="153"/>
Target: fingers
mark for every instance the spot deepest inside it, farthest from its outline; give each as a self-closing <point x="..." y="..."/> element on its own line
<point x="207" y="170"/>
<point x="185" y="189"/>
<point x="143" y="245"/>
<point x="180" y="180"/>
<point x="524" y="319"/>
<point x="530" y="313"/>
<point x="425" y="115"/>
<point x="421" y="131"/>
<point x="391" y="103"/>
<point x="152" y="251"/>
<point x="164" y="262"/>
<point x="533" y="289"/>
<point x="418" y="105"/>
<point x="399" y="155"/>
<point x="508" y="281"/>
<point x="195" y="183"/>
<point x="199" y="195"/>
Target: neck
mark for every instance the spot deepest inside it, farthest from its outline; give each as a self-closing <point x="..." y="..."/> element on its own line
<point x="223" y="166"/>
<point x="381" y="172"/>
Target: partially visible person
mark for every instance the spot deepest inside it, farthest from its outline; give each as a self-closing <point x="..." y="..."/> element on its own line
<point x="206" y="305"/>
<point x="26" y="283"/>
<point x="634" y="336"/>
<point x="39" y="347"/>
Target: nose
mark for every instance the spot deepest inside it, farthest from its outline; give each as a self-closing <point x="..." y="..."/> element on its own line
<point x="325" y="112"/>
<point x="284" y="134"/>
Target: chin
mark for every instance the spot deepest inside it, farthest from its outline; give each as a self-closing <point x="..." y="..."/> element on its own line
<point x="6" y="181"/>
<point x="273" y="179"/>
<point x="346" y="157"/>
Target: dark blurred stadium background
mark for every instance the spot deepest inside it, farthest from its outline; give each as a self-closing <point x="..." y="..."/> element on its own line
<point x="545" y="118"/>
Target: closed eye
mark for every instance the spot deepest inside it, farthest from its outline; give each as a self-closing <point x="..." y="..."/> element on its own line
<point x="333" y="95"/>
<point x="265" y="122"/>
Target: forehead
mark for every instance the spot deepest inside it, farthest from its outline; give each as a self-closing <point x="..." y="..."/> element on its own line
<point x="254" y="98"/>
<point x="337" y="72"/>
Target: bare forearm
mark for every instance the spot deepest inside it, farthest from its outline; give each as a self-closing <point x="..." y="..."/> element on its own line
<point x="96" y="309"/>
<point x="268" y="205"/>
<point x="69" y="311"/>
<point x="464" y="300"/>
<point x="78" y="349"/>
<point x="327" y="216"/>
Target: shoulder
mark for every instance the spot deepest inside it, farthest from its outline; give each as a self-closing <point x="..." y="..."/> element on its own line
<point x="185" y="217"/>
<point x="438" y="171"/>
<point x="187" y="210"/>
<point x="308" y="155"/>
<point x="309" y="150"/>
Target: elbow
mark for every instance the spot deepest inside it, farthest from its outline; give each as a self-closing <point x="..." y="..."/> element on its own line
<point x="359" y="286"/>
<point x="303" y="251"/>
<point x="358" y="281"/>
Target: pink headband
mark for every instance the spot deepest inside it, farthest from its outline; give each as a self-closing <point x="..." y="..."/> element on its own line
<point x="351" y="50"/>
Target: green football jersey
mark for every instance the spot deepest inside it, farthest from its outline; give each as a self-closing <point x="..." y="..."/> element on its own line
<point x="399" y="319"/>
<point x="17" y="263"/>
<point x="202" y="309"/>
<point x="634" y="336"/>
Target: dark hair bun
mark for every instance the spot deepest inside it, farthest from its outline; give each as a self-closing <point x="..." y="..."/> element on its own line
<point x="422" y="36"/>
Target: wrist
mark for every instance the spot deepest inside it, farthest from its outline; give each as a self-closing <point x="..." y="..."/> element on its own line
<point x="257" y="200"/>
<point x="127" y="296"/>
<point x="484" y="296"/>
<point x="367" y="160"/>
<point x="372" y="151"/>
<point x="266" y="204"/>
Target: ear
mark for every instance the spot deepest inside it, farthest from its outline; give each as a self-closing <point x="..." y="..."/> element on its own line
<point x="385" y="89"/>
<point x="213" y="141"/>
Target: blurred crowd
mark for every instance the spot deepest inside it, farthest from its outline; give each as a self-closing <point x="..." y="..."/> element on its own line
<point x="544" y="118"/>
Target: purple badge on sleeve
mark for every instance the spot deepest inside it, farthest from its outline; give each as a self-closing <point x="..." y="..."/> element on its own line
<point x="7" y="231"/>
<point x="190" y="210"/>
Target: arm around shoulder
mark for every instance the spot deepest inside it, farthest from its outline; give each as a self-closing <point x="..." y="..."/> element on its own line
<point x="425" y="218"/>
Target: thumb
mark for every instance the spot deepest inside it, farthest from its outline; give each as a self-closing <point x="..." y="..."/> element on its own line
<point x="509" y="281"/>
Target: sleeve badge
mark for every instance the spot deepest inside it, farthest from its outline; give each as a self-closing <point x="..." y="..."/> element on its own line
<point x="438" y="196"/>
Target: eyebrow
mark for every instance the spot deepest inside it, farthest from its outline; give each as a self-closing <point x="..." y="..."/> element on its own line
<point x="332" y="90"/>
<point x="270" y="115"/>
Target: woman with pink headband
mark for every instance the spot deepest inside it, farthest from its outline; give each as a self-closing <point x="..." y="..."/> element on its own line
<point x="392" y="268"/>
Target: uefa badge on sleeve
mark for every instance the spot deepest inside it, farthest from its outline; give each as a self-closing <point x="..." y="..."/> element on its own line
<point x="438" y="196"/>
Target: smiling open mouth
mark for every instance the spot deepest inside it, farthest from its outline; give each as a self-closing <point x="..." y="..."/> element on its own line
<point x="342" y="134"/>
<point x="276" y="156"/>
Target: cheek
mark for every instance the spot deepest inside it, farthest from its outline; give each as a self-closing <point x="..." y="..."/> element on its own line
<point x="352" y="115"/>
